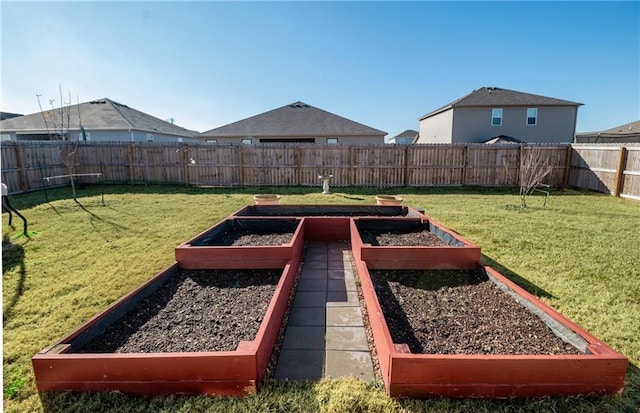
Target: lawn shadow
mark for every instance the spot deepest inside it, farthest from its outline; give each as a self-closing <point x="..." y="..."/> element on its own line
<point x="12" y="257"/>
<point x="513" y="276"/>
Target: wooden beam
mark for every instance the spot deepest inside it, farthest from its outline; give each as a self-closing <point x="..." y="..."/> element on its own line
<point x="622" y="163"/>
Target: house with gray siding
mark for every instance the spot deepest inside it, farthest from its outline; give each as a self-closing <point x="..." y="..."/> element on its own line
<point x="627" y="133"/>
<point x="405" y="138"/>
<point x="96" y="121"/>
<point x="297" y="122"/>
<point x="490" y="111"/>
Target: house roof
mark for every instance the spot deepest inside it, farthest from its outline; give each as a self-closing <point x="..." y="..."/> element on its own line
<point x="497" y="97"/>
<point x="8" y="115"/>
<point x="296" y="119"/>
<point x="631" y="129"/>
<point x="409" y="133"/>
<point x="101" y="114"/>
<point x="500" y="139"/>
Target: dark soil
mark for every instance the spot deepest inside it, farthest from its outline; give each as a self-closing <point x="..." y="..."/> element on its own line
<point x="460" y="312"/>
<point x="404" y="239"/>
<point x="240" y="239"/>
<point x="195" y="310"/>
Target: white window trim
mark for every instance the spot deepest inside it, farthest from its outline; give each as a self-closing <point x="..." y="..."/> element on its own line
<point x="150" y="137"/>
<point x="332" y="139"/>
<point x="247" y="141"/>
<point x="212" y="141"/>
<point x="526" y="120"/>
<point x="496" y="117"/>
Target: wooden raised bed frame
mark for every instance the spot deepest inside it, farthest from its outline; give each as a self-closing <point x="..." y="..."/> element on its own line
<point x="460" y="254"/>
<point x="600" y="370"/>
<point x="191" y="256"/>
<point x="235" y="373"/>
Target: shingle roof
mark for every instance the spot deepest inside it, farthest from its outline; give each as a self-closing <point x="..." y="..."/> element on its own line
<point x="628" y="129"/>
<point x="409" y="133"/>
<point x="501" y="139"/>
<point x="297" y="119"/>
<point x="493" y="96"/>
<point x="101" y="114"/>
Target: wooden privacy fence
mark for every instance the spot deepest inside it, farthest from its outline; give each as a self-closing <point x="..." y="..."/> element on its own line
<point x="25" y="164"/>
<point x="604" y="168"/>
<point x="612" y="169"/>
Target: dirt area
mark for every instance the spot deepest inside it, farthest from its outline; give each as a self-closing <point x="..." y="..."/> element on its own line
<point x="195" y="310"/>
<point x="459" y="312"/>
<point x="248" y="239"/>
<point x="406" y="239"/>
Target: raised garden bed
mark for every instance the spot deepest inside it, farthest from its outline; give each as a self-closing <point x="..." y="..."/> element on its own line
<point x="327" y="222"/>
<point x="410" y="243"/>
<point x="172" y="335"/>
<point x="477" y="334"/>
<point x="242" y="242"/>
<point x="326" y="211"/>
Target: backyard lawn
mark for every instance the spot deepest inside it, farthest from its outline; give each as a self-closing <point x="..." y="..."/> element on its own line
<point x="580" y="254"/>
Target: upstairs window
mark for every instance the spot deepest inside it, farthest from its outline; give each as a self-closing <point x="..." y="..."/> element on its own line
<point x="149" y="137"/>
<point x="247" y="141"/>
<point x="212" y="141"/>
<point x="496" y="117"/>
<point x="532" y="116"/>
<point x="332" y="141"/>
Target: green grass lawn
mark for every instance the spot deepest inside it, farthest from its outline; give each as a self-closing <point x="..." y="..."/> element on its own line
<point x="580" y="254"/>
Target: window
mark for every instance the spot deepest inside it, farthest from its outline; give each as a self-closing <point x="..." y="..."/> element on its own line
<point x="247" y="141"/>
<point x="180" y="140"/>
<point x="86" y="134"/>
<point x="332" y="141"/>
<point x="532" y="116"/>
<point x="496" y="117"/>
<point x="212" y="141"/>
<point x="149" y="137"/>
<point x="5" y="137"/>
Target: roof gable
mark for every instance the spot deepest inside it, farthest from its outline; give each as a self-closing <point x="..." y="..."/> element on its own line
<point x="497" y="97"/>
<point x="100" y="114"/>
<point x="296" y="119"/>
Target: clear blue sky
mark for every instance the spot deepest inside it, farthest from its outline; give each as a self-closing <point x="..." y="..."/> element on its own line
<point x="383" y="64"/>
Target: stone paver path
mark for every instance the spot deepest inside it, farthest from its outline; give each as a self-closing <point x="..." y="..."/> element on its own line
<point x="325" y="336"/>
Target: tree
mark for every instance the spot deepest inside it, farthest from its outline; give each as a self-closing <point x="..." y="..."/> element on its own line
<point x="57" y="121"/>
<point x="534" y="167"/>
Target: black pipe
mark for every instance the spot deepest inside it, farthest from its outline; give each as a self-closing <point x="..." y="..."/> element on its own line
<point x="6" y="205"/>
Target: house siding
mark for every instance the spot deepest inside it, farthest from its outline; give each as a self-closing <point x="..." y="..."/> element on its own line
<point x="319" y="140"/>
<point x="437" y="128"/>
<point x="555" y="124"/>
<point x="114" y="136"/>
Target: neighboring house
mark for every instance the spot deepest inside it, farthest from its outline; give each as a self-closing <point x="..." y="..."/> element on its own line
<point x="9" y="115"/>
<point x="626" y="133"/>
<point x="501" y="139"/>
<point x="405" y="138"/>
<point x="295" y="123"/>
<point x="98" y="120"/>
<point x="491" y="111"/>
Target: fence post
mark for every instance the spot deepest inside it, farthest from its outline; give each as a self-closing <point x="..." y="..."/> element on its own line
<point x="465" y="154"/>
<point x="297" y="156"/>
<point x="24" y="187"/>
<point x="352" y="171"/>
<point x="185" y="163"/>
<point x="241" y="156"/>
<point x="567" y="167"/>
<point x="622" y="163"/>
<point x="130" y="156"/>
<point x="406" y="166"/>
